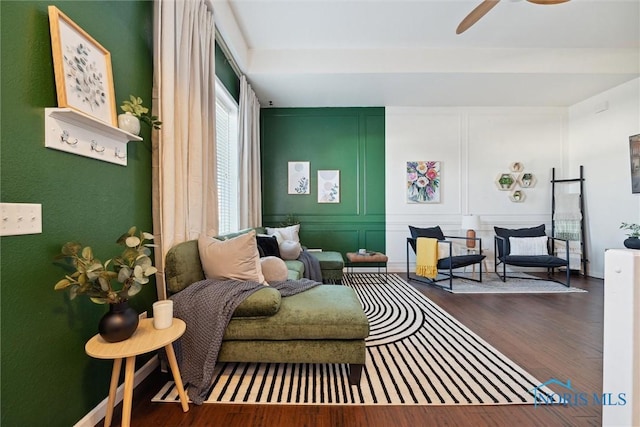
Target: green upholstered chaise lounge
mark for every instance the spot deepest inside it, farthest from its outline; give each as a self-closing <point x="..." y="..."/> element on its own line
<point x="325" y="324"/>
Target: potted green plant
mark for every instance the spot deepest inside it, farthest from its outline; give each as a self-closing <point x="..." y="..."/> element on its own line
<point x="505" y="180"/>
<point x="134" y="112"/>
<point x="633" y="242"/>
<point x="526" y="179"/>
<point x="87" y="275"/>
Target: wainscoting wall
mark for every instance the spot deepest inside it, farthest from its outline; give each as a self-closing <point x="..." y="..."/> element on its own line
<point x="350" y="140"/>
<point x="474" y="145"/>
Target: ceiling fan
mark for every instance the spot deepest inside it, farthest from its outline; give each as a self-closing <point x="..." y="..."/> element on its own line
<point x="486" y="6"/>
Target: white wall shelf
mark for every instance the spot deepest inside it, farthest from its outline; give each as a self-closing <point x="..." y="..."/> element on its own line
<point x="74" y="132"/>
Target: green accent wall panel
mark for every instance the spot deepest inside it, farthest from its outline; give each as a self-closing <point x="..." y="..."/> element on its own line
<point x="350" y="140"/>
<point x="225" y="73"/>
<point x="47" y="379"/>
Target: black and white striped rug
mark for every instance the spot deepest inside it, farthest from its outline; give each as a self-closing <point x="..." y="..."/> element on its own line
<point x="417" y="354"/>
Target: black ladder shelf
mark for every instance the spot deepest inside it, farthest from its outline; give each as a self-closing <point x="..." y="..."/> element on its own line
<point x="583" y="253"/>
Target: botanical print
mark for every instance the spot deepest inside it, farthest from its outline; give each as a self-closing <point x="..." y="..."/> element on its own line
<point x="423" y="182"/>
<point x="85" y="81"/>
<point x="298" y="182"/>
<point x="82" y="68"/>
<point x="328" y="186"/>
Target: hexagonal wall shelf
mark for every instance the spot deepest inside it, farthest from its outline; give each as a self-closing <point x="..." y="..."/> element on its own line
<point x="505" y="181"/>
<point x="517" y="196"/>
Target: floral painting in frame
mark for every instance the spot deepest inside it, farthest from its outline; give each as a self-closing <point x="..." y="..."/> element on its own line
<point x="84" y="80"/>
<point x="423" y="182"/>
<point x="328" y="186"/>
<point x="298" y="178"/>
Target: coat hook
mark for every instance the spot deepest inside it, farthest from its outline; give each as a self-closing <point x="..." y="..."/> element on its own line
<point x="95" y="147"/>
<point x="65" y="138"/>
<point x="120" y="155"/>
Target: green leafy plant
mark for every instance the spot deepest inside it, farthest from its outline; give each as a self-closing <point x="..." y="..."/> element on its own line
<point x="89" y="276"/>
<point x="134" y="106"/>
<point x="505" y="180"/>
<point x="289" y="220"/>
<point x="634" y="229"/>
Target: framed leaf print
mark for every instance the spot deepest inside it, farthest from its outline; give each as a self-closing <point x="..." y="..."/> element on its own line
<point x="84" y="80"/>
<point x="328" y="186"/>
<point x="298" y="178"/>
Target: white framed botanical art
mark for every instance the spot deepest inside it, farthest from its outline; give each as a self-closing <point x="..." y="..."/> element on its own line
<point x="84" y="80"/>
<point x="298" y="178"/>
<point x="328" y="186"/>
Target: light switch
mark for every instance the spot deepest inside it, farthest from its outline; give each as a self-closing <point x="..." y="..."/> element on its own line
<point x="20" y="218"/>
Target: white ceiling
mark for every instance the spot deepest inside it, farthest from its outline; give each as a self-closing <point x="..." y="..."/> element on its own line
<point x="316" y="53"/>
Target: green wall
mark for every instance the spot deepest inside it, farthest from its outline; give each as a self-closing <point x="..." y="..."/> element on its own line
<point x="348" y="139"/>
<point x="47" y="379"/>
<point x="225" y="73"/>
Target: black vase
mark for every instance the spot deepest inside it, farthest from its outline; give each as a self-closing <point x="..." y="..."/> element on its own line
<point x="632" y="243"/>
<point x="120" y="322"/>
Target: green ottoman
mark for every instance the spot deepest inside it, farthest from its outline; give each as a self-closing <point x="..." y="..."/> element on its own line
<point x="331" y="264"/>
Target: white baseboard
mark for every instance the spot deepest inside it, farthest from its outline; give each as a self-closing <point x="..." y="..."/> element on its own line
<point x="99" y="412"/>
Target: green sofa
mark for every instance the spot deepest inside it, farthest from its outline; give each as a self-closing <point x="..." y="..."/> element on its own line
<point x="331" y="263"/>
<point x="325" y="324"/>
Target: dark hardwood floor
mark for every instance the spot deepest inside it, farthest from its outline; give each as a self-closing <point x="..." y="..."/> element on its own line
<point x="551" y="336"/>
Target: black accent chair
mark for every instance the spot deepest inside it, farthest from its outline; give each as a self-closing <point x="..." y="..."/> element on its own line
<point x="503" y="256"/>
<point x="445" y="265"/>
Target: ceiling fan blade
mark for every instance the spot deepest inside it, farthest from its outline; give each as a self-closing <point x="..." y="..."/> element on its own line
<point x="475" y="15"/>
<point x="547" y="1"/>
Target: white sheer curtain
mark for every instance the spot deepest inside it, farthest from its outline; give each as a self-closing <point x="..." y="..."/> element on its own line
<point x="250" y="193"/>
<point x="184" y="183"/>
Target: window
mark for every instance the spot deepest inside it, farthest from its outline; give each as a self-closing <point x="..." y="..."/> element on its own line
<point x="227" y="159"/>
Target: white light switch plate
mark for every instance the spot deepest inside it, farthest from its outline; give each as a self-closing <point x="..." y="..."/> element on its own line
<point x="20" y="218"/>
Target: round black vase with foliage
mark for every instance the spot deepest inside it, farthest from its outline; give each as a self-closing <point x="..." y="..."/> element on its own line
<point x="632" y="243"/>
<point x="120" y="322"/>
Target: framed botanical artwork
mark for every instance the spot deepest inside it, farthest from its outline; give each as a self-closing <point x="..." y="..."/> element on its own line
<point x="423" y="182"/>
<point x="634" y="154"/>
<point x="84" y="80"/>
<point x="328" y="186"/>
<point x="298" y="178"/>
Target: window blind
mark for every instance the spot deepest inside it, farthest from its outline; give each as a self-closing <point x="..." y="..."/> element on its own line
<point x="227" y="160"/>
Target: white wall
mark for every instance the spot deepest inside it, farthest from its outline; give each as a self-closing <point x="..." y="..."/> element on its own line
<point x="600" y="142"/>
<point x="474" y="145"/>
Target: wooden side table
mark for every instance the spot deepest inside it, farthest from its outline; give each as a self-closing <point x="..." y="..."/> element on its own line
<point x="375" y="259"/>
<point x="145" y="339"/>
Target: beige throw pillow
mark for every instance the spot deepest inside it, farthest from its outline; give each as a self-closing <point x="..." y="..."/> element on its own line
<point x="236" y="258"/>
<point x="274" y="269"/>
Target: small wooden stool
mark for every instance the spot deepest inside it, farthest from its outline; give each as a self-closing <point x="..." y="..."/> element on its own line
<point x="145" y="339"/>
<point x="368" y="260"/>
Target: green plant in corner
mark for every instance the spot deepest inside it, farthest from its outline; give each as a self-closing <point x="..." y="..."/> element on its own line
<point x="89" y="276"/>
<point x="634" y="229"/>
<point x="134" y="106"/>
<point x="289" y="220"/>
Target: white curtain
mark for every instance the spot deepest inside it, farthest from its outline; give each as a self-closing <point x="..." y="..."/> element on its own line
<point x="250" y="193"/>
<point x="184" y="183"/>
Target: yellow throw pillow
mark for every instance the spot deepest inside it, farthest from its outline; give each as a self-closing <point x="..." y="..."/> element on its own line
<point x="236" y="258"/>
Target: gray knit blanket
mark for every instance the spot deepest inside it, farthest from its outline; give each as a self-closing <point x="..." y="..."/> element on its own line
<point x="312" y="269"/>
<point x="207" y="307"/>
